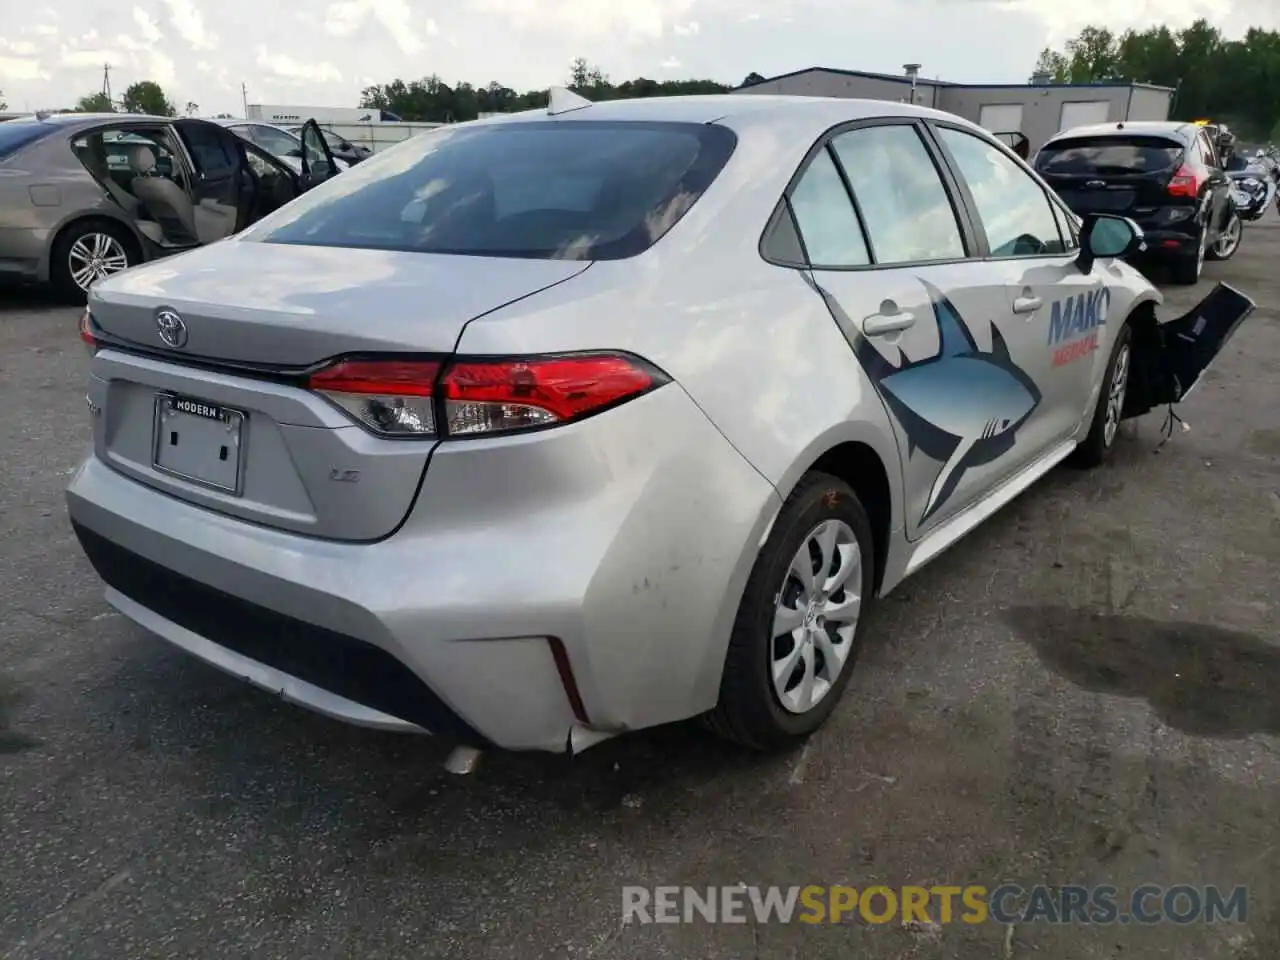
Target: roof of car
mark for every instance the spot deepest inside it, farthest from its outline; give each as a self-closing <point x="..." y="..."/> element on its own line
<point x="714" y="107"/>
<point x="1178" y="129"/>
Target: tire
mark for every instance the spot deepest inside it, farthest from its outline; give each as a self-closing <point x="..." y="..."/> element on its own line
<point x="1100" y="442"/>
<point x="1229" y="242"/>
<point x="117" y="251"/>
<point x="1186" y="270"/>
<point x="752" y="711"/>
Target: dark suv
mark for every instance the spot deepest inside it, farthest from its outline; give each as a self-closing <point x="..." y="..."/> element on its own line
<point x="1167" y="176"/>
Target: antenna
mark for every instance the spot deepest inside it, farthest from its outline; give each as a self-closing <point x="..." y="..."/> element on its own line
<point x="106" y="82"/>
<point x="562" y="100"/>
<point x="244" y="98"/>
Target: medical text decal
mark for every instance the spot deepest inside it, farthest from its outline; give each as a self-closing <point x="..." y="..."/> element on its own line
<point x="1074" y="323"/>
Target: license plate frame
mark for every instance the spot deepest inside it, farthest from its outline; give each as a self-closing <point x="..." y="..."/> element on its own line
<point x="205" y="424"/>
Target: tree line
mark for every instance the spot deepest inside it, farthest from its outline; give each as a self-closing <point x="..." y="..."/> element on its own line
<point x="433" y="100"/>
<point x="1236" y="82"/>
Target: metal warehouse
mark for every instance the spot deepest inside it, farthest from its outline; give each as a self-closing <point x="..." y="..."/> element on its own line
<point x="1037" y="110"/>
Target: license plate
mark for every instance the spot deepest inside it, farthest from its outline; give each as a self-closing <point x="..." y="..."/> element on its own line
<point x="200" y="442"/>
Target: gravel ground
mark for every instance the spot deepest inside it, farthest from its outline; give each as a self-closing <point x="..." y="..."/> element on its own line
<point x="1086" y="690"/>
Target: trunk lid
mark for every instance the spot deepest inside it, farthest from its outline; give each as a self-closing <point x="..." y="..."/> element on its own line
<point x="1126" y="175"/>
<point x="291" y="306"/>
<point x="202" y="423"/>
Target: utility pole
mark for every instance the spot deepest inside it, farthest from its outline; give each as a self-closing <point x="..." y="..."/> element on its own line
<point x="244" y="98"/>
<point x="106" y="83"/>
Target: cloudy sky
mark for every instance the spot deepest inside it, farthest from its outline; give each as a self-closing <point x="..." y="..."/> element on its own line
<point x="316" y="52"/>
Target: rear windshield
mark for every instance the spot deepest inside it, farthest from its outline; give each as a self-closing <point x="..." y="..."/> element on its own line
<point x="1121" y="155"/>
<point x="565" y="190"/>
<point x="16" y="134"/>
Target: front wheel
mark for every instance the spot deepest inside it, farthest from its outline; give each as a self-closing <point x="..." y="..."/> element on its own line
<point x="797" y="633"/>
<point x="1226" y="245"/>
<point x="1098" y="444"/>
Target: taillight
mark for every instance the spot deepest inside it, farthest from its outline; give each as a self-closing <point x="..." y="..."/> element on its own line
<point x="87" y="335"/>
<point x="390" y="397"/>
<point x="478" y="396"/>
<point x="497" y="396"/>
<point x="1185" y="183"/>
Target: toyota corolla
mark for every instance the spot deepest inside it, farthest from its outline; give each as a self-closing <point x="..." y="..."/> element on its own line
<point x="553" y="426"/>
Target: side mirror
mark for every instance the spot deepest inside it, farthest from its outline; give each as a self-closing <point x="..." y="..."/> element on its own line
<point x="1103" y="236"/>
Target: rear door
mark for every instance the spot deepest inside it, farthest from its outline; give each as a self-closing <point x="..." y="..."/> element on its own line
<point x="894" y="256"/>
<point x="218" y="181"/>
<point x="1059" y="313"/>
<point x="1122" y="174"/>
<point x="318" y="164"/>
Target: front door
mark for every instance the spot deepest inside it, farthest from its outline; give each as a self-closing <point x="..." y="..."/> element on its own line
<point x="1058" y="313"/>
<point x="318" y="164"/>
<point x="929" y="324"/>
<point x="215" y="156"/>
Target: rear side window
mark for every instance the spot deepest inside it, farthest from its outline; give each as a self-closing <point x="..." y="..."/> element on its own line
<point x="826" y="218"/>
<point x="1108" y="155"/>
<point x="900" y="193"/>
<point x="565" y="190"/>
<point x="16" y="134"/>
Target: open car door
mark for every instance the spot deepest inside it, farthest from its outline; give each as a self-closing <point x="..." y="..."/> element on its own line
<point x="1170" y="358"/>
<point x="318" y="164"/>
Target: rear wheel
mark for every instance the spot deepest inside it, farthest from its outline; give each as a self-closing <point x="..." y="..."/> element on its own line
<point x="1229" y="242"/>
<point x="797" y="633"/>
<point x="1105" y="426"/>
<point x="87" y="252"/>
<point x="1187" y="270"/>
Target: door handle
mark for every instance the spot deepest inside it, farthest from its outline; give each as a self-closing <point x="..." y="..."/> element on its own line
<point x="1027" y="304"/>
<point x="882" y="324"/>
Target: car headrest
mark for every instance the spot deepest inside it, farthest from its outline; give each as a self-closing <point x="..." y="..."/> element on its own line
<point x="142" y="159"/>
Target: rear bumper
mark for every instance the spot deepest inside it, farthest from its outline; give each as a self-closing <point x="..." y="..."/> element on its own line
<point x="1170" y="243"/>
<point x="453" y="625"/>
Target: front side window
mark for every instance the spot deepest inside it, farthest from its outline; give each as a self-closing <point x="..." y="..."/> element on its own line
<point x="905" y="207"/>
<point x="1014" y="209"/>
<point x="826" y="218"/>
<point x="275" y="142"/>
<point x="564" y="190"/>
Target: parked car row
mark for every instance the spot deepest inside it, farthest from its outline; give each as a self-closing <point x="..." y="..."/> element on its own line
<point x="551" y="427"/>
<point x="84" y="196"/>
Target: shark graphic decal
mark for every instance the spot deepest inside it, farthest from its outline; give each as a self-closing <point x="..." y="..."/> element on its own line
<point x="961" y="406"/>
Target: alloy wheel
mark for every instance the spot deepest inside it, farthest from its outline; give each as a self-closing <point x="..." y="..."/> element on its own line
<point x="815" y="616"/>
<point x="1115" y="396"/>
<point x="94" y="257"/>
<point x="1230" y="238"/>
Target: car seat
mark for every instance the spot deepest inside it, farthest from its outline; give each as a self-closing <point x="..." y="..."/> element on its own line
<point x="167" y="202"/>
<point x="94" y="157"/>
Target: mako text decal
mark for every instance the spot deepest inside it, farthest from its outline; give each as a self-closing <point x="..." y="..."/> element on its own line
<point x="1074" y="323"/>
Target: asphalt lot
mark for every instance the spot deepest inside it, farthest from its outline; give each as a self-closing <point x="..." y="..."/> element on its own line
<point x="1086" y="690"/>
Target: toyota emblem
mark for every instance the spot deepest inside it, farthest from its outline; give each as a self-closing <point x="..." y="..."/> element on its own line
<point x="173" y="331"/>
